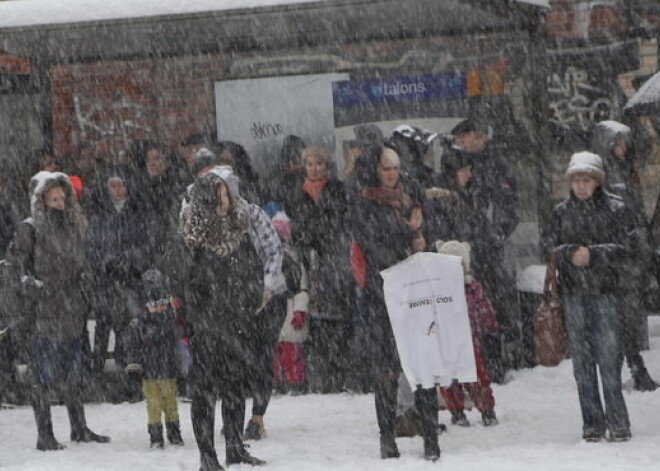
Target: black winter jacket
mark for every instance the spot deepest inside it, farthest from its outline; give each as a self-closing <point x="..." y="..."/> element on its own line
<point x="604" y="225"/>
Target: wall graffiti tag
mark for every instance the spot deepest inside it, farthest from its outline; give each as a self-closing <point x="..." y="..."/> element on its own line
<point x="576" y="102"/>
<point x="117" y="120"/>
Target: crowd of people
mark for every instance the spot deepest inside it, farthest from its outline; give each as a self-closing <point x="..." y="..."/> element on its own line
<point x="220" y="285"/>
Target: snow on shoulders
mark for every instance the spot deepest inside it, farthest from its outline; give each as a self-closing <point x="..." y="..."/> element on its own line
<point x="615" y="126"/>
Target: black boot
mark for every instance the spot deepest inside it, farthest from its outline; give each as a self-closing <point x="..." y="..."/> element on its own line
<point x="385" y="391"/>
<point x="426" y="401"/>
<point x="209" y="462"/>
<point x="174" y="433"/>
<point x="156" y="436"/>
<point x="388" y="448"/>
<point x="237" y="454"/>
<point x="45" y="438"/>
<point x="79" y="430"/>
<point x="642" y="380"/>
<point x="489" y="418"/>
<point x="458" y="418"/>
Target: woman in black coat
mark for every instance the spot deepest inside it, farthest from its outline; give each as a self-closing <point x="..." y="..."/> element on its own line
<point x="388" y="228"/>
<point x="225" y="290"/>
<point x="319" y="230"/>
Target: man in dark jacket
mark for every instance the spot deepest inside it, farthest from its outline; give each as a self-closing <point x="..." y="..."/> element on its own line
<point x="613" y="142"/>
<point x="592" y="236"/>
<point x="494" y="189"/>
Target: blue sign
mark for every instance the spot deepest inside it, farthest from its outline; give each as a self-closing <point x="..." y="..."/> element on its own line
<point x="419" y="88"/>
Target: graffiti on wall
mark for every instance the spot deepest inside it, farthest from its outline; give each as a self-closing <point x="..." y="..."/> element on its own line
<point x="576" y="102"/>
<point x="120" y="119"/>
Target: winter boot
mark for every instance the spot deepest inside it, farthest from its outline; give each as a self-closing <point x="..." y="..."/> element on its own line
<point x="618" y="436"/>
<point x="209" y="462"/>
<point x="642" y="380"/>
<point x="45" y="438"/>
<point x="592" y="435"/>
<point x="156" y="436"/>
<point x="488" y="418"/>
<point x="79" y="430"/>
<point x="385" y="397"/>
<point x="427" y="402"/>
<point x="174" y="433"/>
<point x="254" y="430"/>
<point x="388" y="448"/>
<point x="458" y="418"/>
<point x="237" y="454"/>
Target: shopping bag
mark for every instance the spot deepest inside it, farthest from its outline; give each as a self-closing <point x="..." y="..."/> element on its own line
<point x="550" y="342"/>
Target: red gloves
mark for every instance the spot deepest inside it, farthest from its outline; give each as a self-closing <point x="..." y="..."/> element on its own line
<point x="298" y="319"/>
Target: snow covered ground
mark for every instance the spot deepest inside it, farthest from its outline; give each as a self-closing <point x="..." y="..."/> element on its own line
<point x="540" y="429"/>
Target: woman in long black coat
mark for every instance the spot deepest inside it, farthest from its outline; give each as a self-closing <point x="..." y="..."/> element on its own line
<point x="319" y="230"/>
<point x="225" y="290"/>
<point x="388" y="228"/>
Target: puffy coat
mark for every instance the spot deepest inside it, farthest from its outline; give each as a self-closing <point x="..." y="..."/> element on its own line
<point x="49" y="251"/>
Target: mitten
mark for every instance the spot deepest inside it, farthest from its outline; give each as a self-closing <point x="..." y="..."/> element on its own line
<point x="298" y="319"/>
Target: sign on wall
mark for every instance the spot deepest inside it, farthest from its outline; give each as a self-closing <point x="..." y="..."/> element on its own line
<point x="260" y="113"/>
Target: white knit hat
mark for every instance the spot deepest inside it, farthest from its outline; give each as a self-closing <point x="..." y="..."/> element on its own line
<point x="586" y="162"/>
<point x="460" y="249"/>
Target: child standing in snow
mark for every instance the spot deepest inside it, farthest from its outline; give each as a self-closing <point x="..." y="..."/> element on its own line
<point x="155" y="356"/>
<point x="483" y="322"/>
<point x="289" y="363"/>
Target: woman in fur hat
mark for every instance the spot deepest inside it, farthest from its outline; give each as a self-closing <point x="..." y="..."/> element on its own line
<point x="591" y="236"/>
<point x="225" y="292"/>
<point x="48" y="249"/>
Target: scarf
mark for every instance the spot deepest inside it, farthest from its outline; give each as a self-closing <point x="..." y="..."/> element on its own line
<point x="314" y="188"/>
<point x="392" y="197"/>
<point x="221" y="234"/>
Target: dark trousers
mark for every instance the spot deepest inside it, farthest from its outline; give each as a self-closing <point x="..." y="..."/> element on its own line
<point x="327" y="354"/>
<point x="270" y="323"/>
<point x="592" y="323"/>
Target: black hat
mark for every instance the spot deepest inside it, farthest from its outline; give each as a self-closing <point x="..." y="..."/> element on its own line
<point x="470" y="125"/>
<point x="454" y="160"/>
<point x="204" y="158"/>
<point x="369" y="133"/>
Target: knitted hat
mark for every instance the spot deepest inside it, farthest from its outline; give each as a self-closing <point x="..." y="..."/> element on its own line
<point x="460" y="249"/>
<point x="77" y="185"/>
<point x="586" y="162"/>
<point x="204" y="158"/>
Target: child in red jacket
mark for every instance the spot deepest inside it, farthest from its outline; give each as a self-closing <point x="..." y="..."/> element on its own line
<point x="483" y="322"/>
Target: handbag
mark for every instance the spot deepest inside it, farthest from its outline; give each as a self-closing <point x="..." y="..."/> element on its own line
<point x="550" y="343"/>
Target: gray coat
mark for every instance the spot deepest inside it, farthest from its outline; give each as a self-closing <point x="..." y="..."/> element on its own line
<point x="49" y="253"/>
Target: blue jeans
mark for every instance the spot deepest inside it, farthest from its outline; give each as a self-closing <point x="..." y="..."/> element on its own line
<point x="592" y="324"/>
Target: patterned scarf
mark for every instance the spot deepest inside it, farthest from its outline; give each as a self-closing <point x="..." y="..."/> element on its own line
<point x="222" y="234"/>
<point x="392" y="197"/>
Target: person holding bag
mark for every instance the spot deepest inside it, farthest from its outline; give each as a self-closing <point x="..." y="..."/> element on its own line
<point x="591" y="235"/>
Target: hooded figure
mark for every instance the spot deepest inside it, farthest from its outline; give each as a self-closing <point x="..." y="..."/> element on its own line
<point x="612" y="141"/>
<point x="224" y="293"/>
<point x="48" y="250"/>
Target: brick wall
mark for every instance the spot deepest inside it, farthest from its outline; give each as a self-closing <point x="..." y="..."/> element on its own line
<point x="112" y="103"/>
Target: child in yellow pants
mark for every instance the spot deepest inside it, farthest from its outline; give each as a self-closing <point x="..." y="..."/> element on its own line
<point x="156" y="359"/>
